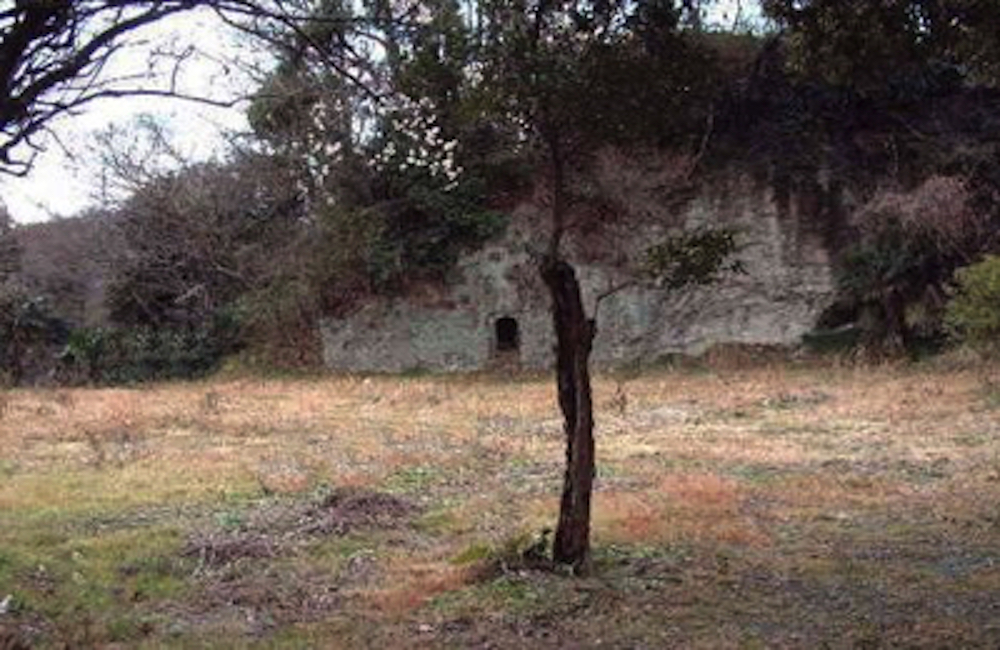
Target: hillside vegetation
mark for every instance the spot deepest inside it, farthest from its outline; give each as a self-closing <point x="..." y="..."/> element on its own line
<point x="350" y="188"/>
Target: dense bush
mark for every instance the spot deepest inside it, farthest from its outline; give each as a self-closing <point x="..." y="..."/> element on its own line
<point x="28" y="334"/>
<point x="973" y="313"/>
<point x="192" y="241"/>
<point x="124" y="356"/>
<point x="424" y="230"/>
<point x="893" y="279"/>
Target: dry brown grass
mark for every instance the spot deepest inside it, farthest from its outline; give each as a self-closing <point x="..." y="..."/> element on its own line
<point x="775" y="506"/>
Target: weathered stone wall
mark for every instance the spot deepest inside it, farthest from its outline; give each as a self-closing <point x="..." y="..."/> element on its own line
<point x="787" y="284"/>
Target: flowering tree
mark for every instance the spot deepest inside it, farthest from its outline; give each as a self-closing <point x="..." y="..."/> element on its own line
<point x="381" y="153"/>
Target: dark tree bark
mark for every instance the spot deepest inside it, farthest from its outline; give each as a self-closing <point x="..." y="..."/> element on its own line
<point x="896" y="337"/>
<point x="574" y="341"/>
<point x="574" y="338"/>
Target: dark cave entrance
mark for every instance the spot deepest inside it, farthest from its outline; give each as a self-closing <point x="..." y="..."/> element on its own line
<point x="508" y="335"/>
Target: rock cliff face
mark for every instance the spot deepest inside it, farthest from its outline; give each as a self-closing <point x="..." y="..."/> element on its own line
<point x="495" y="307"/>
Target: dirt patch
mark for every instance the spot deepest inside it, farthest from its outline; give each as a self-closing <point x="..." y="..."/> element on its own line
<point x="17" y="634"/>
<point x="219" y="549"/>
<point x="250" y="576"/>
<point x="274" y="529"/>
<point x="349" y="509"/>
<point x="255" y="602"/>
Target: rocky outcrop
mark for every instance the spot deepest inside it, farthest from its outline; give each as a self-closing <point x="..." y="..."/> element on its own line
<point x="495" y="307"/>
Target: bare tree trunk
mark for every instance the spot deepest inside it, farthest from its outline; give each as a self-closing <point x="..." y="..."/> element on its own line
<point x="574" y="338"/>
<point x="897" y="335"/>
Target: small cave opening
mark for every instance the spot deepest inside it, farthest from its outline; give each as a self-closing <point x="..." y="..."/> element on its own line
<point x="508" y="335"/>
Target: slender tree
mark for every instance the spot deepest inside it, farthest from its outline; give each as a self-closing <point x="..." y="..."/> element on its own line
<point x="576" y="76"/>
<point x="554" y="80"/>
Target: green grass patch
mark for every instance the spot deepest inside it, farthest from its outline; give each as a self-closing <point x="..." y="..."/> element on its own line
<point x="971" y="439"/>
<point x="508" y="593"/>
<point x="473" y="553"/>
<point x="90" y="585"/>
<point x="440" y="522"/>
<point x="757" y="474"/>
<point x="412" y="479"/>
<point x="88" y="490"/>
<point x="336" y="549"/>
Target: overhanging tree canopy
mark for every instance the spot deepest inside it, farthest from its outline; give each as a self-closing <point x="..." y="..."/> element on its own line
<point x="54" y="56"/>
<point x="891" y="46"/>
<point x="57" y="56"/>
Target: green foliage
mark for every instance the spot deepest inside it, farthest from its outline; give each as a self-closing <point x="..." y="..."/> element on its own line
<point x="973" y="313"/>
<point x="424" y="234"/>
<point x="278" y="319"/>
<point x="693" y="258"/>
<point x="196" y="239"/>
<point x="398" y="200"/>
<point x="281" y="104"/>
<point x="658" y="94"/>
<point x="383" y="247"/>
<point x="430" y="56"/>
<point x="28" y="331"/>
<point x="645" y="80"/>
<point x="468" y="97"/>
<point x="210" y="259"/>
<point x="892" y="280"/>
<point x="126" y="356"/>
<point x="891" y="259"/>
<point x="900" y="49"/>
<point x="880" y="276"/>
<point x="523" y="549"/>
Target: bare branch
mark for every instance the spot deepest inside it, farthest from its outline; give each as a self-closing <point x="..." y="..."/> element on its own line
<point x="703" y="146"/>
<point x="610" y="291"/>
<point x="54" y="57"/>
<point x="294" y="24"/>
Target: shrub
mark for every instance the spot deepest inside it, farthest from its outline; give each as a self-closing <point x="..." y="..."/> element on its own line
<point x="130" y="355"/>
<point x="28" y="332"/>
<point x="973" y="314"/>
<point x="892" y="280"/>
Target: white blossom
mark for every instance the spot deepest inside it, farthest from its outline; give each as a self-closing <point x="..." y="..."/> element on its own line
<point x="415" y="142"/>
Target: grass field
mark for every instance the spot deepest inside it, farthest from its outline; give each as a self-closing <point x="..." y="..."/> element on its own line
<point x="772" y="507"/>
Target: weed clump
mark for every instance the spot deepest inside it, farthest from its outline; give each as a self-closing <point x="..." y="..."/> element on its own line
<point x="273" y="529"/>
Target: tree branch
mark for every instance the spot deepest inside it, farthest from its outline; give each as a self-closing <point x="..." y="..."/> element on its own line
<point x="610" y="291"/>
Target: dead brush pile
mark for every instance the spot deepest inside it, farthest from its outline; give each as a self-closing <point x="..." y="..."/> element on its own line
<point x="274" y="529"/>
